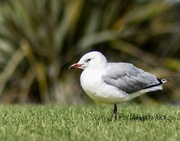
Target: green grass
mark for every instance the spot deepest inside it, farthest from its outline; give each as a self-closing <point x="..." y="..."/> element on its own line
<point x="88" y="123"/>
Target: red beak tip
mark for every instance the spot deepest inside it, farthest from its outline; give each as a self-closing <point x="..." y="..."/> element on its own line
<point x="74" y="66"/>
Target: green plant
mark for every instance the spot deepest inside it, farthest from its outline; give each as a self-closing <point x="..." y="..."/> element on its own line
<point x="40" y="39"/>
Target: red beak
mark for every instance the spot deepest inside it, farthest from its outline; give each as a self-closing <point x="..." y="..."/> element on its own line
<point x="75" y="65"/>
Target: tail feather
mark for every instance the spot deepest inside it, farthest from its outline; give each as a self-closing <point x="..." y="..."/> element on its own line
<point x="151" y="88"/>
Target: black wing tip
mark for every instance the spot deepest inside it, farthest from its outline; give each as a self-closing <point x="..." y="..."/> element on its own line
<point x="161" y="81"/>
<point x="164" y="80"/>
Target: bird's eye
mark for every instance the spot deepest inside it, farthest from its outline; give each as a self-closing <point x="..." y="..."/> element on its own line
<point x="88" y="60"/>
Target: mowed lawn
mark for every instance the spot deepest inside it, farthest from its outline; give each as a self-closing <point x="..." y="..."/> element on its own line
<point x="89" y="123"/>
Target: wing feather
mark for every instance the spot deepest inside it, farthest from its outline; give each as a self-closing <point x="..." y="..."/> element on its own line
<point x="128" y="78"/>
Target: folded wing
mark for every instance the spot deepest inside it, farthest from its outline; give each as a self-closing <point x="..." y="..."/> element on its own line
<point x="129" y="78"/>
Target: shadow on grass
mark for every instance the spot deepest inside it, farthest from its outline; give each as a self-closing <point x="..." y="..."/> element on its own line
<point x="143" y="118"/>
<point x="135" y="117"/>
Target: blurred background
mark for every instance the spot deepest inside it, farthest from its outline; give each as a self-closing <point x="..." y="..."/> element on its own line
<point x="40" y="39"/>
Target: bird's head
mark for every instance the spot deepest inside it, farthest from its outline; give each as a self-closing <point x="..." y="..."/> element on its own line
<point x="91" y="60"/>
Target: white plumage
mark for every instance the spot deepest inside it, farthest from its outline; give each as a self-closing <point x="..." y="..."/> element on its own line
<point x="114" y="82"/>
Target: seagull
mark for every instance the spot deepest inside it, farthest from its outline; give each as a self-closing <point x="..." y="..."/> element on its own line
<point x="113" y="83"/>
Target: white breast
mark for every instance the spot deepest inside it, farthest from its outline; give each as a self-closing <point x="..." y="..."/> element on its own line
<point x="93" y="85"/>
<point x="90" y="82"/>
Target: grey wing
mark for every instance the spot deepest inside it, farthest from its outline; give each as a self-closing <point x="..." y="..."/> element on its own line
<point x="128" y="78"/>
